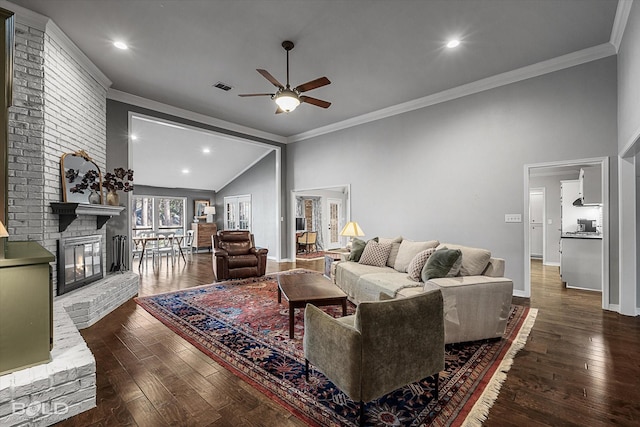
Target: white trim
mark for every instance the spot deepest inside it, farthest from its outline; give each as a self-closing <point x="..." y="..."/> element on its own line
<point x="614" y="307"/>
<point x="627" y="226"/>
<point x="551" y="264"/>
<point x="74" y="51"/>
<point x="555" y="64"/>
<point x="519" y="293"/>
<point x="604" y="162"/>
<point x="139" y="101"/>
<point x="620" y="22"/>
<point x="629" y="147"/>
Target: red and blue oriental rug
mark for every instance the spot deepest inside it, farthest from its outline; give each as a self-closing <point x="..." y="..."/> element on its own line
<point x="241" y="326"/>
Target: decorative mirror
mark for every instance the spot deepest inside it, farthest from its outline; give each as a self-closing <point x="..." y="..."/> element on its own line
<point x="81" y="178"/>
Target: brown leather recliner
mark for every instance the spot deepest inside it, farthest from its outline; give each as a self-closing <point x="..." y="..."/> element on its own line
<point x="235" y="256"/>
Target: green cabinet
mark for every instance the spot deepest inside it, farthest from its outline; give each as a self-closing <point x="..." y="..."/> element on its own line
<point x="26" y="306"/>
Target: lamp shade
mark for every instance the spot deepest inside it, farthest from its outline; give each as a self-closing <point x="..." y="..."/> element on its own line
<point x="352" y="229"/>
<point x="210" y="210"/>
<point x="3" y="231"/>
<point x="287" y="100"/>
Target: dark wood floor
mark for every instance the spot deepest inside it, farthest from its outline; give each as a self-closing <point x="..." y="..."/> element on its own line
<point x="580" y="367"/>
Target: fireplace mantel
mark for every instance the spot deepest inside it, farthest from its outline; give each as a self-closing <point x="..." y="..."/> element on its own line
<point x="69" y="212"/>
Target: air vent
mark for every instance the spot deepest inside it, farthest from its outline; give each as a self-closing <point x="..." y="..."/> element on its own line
<point x="225" y="87"/>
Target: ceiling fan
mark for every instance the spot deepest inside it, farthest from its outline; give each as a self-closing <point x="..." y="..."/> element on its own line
<point x="286" y="98"/>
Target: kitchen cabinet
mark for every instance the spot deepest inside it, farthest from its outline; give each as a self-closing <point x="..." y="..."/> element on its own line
<point x="202" y="232"/>
<point x="591" y="185"/>
<point x="581" y="262"/>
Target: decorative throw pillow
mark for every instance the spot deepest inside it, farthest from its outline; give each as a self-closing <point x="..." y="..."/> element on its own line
<point x="417" y="263"/>
<point x="357" y="247"/>
<point x="395" y="245"/>
<point x="375" y="254"/>
<point x="408" y="250"/>
<point x="440" y="263"/>
<point x="474" y="260"/>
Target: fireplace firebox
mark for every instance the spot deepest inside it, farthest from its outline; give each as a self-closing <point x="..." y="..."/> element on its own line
<point x="79" y="262"/>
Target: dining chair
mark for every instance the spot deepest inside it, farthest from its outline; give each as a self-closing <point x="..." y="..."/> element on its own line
<point x="187" y="244"/>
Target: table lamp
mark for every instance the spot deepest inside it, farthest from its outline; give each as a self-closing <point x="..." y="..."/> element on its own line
<point x="210" y="211"/>
<point x="352" y="229"/>
<point x="3" y="240"/>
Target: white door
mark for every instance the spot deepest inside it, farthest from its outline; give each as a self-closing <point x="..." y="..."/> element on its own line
<point x="334" y="223"/>
<point x="237" y="213"/>
<point x="536" y="223"/>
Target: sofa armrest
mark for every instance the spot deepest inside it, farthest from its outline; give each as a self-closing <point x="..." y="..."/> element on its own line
<point x="495" y="268"/>
<point x="220" y="253"/>
<point x="334" y="347"/>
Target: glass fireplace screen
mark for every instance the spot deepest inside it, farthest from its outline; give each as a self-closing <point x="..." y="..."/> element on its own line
<point x="79" y="262"/>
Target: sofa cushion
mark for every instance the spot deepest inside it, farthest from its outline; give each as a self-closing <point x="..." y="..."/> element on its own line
<point x="348" y="273"/>
<point x="441" y="263"/>
<point x="417" y="264"/>
<point x="408" y="250"/>
<point x="371" y="286"/>
<point x="395" y="245"/>
<point x="375" y="253"/>
<point x="357" y="247"/>
<point x="474" y="260"/>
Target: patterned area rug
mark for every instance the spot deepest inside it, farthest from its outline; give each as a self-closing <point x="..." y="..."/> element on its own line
<point x="241" y="326"/>
<point x="310" y="256"/>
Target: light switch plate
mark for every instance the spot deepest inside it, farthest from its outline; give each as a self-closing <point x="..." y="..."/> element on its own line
<point x="512" y="217"/>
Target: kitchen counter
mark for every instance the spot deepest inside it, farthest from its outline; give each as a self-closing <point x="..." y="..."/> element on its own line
<point x="581" y="235"/>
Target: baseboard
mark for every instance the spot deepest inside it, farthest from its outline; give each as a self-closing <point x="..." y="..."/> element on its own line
<point x="551" y="264"/>
<point x="519" y="293"/>
<point x="584" y="289"/>
<point x="616" y="308"/>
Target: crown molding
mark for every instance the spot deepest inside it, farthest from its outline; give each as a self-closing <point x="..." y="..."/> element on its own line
<point x="53" y="31"/>
<point x="139" y="101"/>
<point x="620" y="22"/>
<point x="556" y="64"/>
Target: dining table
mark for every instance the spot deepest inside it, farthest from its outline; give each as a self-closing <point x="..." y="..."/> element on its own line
<point x="143" y="240"/>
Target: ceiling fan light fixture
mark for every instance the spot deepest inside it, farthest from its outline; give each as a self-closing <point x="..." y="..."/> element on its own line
<point x="287" y="100"/>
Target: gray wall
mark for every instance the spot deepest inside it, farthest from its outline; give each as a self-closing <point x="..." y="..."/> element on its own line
<point x="453" y="170"/>
<point x="260" y="183"/>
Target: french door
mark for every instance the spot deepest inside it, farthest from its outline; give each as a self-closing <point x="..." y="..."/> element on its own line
<point x="335" y="223"/>
<point x="237" y="212"/>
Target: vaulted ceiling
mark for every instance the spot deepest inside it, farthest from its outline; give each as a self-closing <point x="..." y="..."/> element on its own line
<point x="377" y="53"/>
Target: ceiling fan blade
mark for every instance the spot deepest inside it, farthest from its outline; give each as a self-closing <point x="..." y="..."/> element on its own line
<point x="279" y="110"/>
<point x="322" y="81"/>
<point x="269" y="77"/>
<point x="315" y="101"/>
<point x="255" y="94"/>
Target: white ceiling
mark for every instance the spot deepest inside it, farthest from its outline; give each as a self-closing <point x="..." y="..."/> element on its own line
<point x="377" y="53"/>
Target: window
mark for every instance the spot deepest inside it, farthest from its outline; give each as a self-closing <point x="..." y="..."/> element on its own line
<point x="161" y="214"/>
<point x="237" y="211"/>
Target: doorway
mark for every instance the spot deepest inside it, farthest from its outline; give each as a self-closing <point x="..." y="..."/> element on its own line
<point x="537" y="223"/>
<point x="331" y="212"/>
<point x="548" y="176"/>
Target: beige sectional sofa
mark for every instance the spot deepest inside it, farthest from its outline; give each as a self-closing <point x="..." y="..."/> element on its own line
<point x="476" y="301"/>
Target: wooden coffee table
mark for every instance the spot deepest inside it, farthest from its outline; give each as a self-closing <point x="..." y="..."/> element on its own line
<point x="300" y="289"/>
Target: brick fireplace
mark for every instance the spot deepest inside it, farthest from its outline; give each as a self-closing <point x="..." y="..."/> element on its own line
<point x="59" y="106"/>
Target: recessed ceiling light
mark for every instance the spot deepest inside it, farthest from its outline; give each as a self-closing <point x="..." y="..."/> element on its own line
<point x="206" y="150"/>
<point x="185" y="170"/>
<point x="134" y="137"/>
<point x="120" y="45"/>
<point x="453" y="43"/>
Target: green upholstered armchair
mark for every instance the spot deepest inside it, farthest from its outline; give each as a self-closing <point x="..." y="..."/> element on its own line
<point x="384" y="346"/>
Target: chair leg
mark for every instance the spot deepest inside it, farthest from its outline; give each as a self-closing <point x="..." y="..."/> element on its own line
<point x="362" y="419"/>
<point x="306" y="369"/>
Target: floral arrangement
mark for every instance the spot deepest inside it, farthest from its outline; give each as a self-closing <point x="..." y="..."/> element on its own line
<point x="118" y="180"/>
<point x="89" y="181"/>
